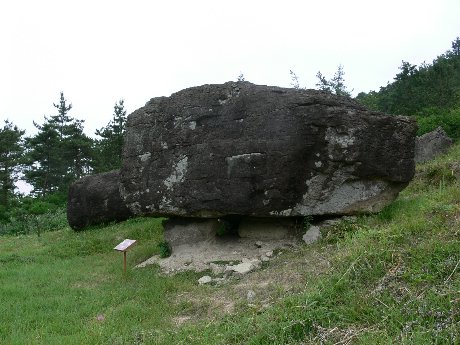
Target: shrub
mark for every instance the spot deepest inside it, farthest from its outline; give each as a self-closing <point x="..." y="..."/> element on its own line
<point x="449" y="121"/>
<point x="22" y="223"/>
<point x="4" y="214"/>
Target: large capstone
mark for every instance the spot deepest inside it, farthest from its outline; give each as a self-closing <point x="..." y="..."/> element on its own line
<point x="94" y="200"/>
<point x="245" y="149"/>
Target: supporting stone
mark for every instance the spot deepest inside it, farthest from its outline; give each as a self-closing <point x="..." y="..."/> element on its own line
<point x="268" y="228"/>
<point x="179" y="231"/>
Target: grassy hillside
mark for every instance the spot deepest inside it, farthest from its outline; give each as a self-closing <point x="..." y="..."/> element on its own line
<point x="387" y="278"/>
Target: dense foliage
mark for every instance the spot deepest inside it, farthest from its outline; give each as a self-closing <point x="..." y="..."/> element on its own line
<point x="431" y="92"/>
<point x="11" y="152"/>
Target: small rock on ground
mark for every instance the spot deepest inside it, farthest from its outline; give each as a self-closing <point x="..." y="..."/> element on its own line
<point x="251" y="296"/>
<point x="312" y="235"/>
<point x="242" y="268"/>
<point x="204" y="280"/>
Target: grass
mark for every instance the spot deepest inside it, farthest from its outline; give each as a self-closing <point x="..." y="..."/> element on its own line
<point x="388" y="278"/>
<point x="55" y="286"/>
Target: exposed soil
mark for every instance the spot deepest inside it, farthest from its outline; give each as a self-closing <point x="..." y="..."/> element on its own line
<point x="287" y="271"/>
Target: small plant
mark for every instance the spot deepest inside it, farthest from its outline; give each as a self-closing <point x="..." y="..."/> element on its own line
<point x="228" y="226"/>
<point x="439" y="175"/>
<point x="221" y="230"/>
<point x="165" y="249"/>
<point x="306" y="223"/>
<point x="340" y="230"/>
<point x="294" y="80"/>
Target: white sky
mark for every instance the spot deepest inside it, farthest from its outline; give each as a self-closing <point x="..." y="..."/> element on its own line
<point x="100" y="51"/>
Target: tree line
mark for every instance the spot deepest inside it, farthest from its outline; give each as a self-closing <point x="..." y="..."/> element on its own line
<point x="430" y="92"/>
<point x="58" y="154"/>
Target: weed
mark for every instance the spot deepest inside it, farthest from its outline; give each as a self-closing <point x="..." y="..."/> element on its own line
<point x="221" y="230"/>
<point x="306" y="223"/>
<point x="336" y="232"/>
<point x="165" y="249"/>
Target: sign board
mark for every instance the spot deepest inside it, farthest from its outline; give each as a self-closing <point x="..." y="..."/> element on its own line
<point x="125" y="245"/>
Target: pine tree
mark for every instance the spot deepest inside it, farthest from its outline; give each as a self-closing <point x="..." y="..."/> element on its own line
<point x="79" y="152"/>
<point x="109" y="147"/>
<point x="62" y="121"/>
<point x="43" y="160"/>
<point x="455" y="51"/>
<point x="11" y="154"/>
<point x="294" y="80"/>
<point x="323" y="84"/>
<point x="59" y="153"/>
<point x="336" y="85"/>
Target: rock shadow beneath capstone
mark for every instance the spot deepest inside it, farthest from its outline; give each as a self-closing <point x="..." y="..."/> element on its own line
<point x="198" y="243"/>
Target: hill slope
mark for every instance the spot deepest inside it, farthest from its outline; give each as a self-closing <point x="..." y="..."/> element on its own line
<point x="387" y="278"/>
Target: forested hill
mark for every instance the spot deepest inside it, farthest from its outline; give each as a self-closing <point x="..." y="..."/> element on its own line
<point x="431" y="92"/>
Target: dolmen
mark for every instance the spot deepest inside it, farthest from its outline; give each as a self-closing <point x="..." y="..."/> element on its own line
<point x="239" y="149"/>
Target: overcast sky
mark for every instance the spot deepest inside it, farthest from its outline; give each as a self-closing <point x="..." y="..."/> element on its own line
<point x="100" y="51"/>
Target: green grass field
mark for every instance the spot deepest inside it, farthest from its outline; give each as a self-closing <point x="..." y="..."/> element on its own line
<point x="389" y="278"/>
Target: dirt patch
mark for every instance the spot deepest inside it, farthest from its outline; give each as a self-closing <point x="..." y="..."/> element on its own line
<point x="287" y="266"/>
<point x="288" y="272"/>
<point x="180" y="320"/>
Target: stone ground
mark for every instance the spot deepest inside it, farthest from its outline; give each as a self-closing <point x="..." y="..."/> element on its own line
<point x="231" y="254"/>
<point x="222" y="251"/>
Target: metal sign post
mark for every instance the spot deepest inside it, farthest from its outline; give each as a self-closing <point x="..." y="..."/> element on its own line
<point x="123" y="247"/>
